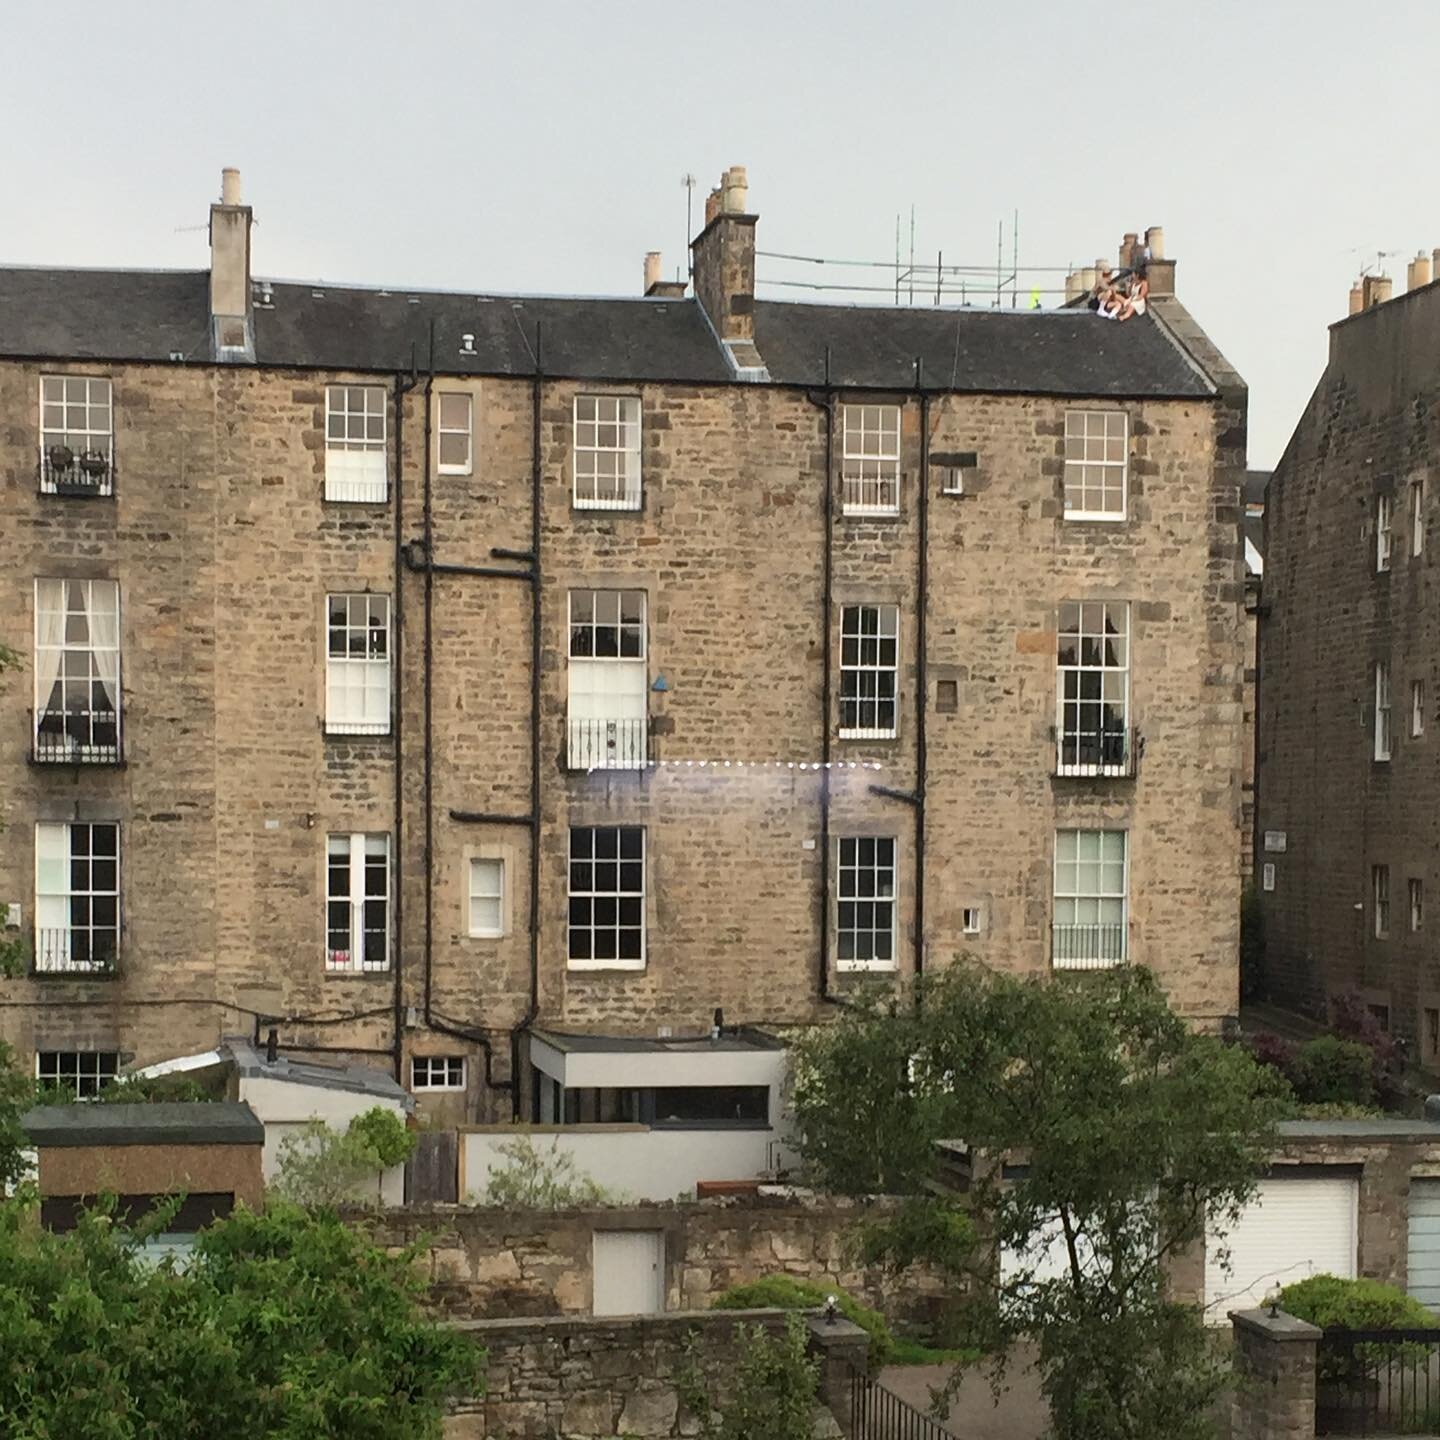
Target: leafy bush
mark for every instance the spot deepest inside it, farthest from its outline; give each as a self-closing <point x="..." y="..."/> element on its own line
<point x="1351" y="1019"/>
<point x="1273" y="1050"/>
<point x="785" y="1292"/>
<point x="770" y="1395"/>
<point x="532" y="1179"/>
<point x="320" y="1168"/>
<point x="1328" y="1301"/>
<point x="1330" y="1071"/>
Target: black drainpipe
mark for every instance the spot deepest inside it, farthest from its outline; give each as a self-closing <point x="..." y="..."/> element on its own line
<point x="528" y="1019"/>
<point x="403" y="386"/>
<point x="827" y="404"/>
<point x="922" y="677"/>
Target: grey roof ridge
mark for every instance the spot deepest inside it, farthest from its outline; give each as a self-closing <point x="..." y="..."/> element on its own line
<point x="460" y="294"/>
<point x="1168" y="331"/>
<point x="1028" y="314"/>
<point x="105" y="269"/>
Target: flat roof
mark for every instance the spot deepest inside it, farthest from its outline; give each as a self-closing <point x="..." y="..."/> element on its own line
<point x="170" y="1122"/>
<point x="740" y="1041"/>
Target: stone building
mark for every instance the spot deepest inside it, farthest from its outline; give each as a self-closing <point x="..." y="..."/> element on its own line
<point x="408" y="671"/>
<point x="1346" y="775"/>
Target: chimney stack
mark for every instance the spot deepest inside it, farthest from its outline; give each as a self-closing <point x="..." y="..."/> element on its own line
<point x="1357" y="298"/>
<point x="1418" y="272"/>
<point x="656" y="286"/>
<point x="724" y="255"/>
<point x="1376" y="290"/>
<point x="231" y="333"/>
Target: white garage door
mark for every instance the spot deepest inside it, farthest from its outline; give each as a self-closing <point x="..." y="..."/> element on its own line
<point x="1293" y="1228"/>
<point x="1425" y="1242"/>
<point x="629" y="1273"/>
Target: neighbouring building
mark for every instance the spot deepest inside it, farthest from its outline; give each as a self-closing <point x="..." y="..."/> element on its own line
<point x="413" y="672"/>
<point x="1252" y="526"/>
<point x="1348" y="789"/>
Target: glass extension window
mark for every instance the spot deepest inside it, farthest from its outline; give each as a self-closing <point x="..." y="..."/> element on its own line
<point x="865" y="893"/>
<point x="607" y="452"/>
<point x="1093" y="692"/>
<point x="869" y="657"/>
<point x="1097" y="443"/>
<point x="454" y="434"/>
<point x="357" y="665"/>
<point x="1382" y="710"/>
<point x="77" y="438"/>
<point x="870" y="460"/>
<point x="77" y="672"/>
<point x="355" y="468"/>
<point x="437" y="1072"/>
<point x="487" y="898"/>
<point x="77" y="897"/>
<point x="85" y="1072"/>
<point x="607" y="897"/>
<point x="357" y="903"/>
<point x="608" y="681"/>
<point x="1089" y="931"/>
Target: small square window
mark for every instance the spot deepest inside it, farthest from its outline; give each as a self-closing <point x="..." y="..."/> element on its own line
<point x="972" y="920"/>
<point x="1267" y="875"/>
<point x="437" y="1072"/>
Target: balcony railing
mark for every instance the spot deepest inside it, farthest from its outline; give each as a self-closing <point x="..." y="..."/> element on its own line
<point x="871" y="494"/>
<point x="608" y="744"/>
<point x="1087" y="947"/>
<point x="82" y="474"/>
<point x="76" y="952"/>
<point x="1108" y="754"/>
<point x="77" y="737"/>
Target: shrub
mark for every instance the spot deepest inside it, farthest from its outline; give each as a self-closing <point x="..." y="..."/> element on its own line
<point x="770" y="1395"/>
<point x="1351" y="1019"/>
<point x="320" y="1168"/>
<point x="1273" y="1050"/>
<point x="1330" y="1071"/>
<point x="785" y="1292"/>
<point x="532" y="1179"/>
<point x="1328" y="1301"/>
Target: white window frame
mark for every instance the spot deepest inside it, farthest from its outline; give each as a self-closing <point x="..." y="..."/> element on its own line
<point x="605" y="454"/>
<point x="1267" y="875"/>
<point x="1383" y="736"/>
<point x="500" y="896"/>
<point x="356" y="462"/>
<point x="1102" y="899"/>
<point x="58" y="656"/>
<point x="1417" y="708"/>
<point x="1380" y="900"/>
<point x="359" y="849"/>
<point x="1417" y="518"/>
<point x="864" y="632"/>
<point x="1416" y="888"/>
<point x="451" y="1069"/>
<point x="89" y="1078"/>
<point x="594" y="892"/>
<point x="365" y="675"/>
<point x="444" y="430"/>
<point x="972" y="920"/>
<point x="851" y="885"/>
<point x="870" y="459"/>
<point x="1092" y="640"/>
<point x="69" y="404"/>
<point x="1094" y="454"/>
<point x="56" y="947"/>
<point x="1384" y="532"/>
<point x="615" y="684"/>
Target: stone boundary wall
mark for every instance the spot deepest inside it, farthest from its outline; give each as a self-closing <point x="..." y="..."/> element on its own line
<point x="589" y="1379"/>
<point x="488" y="1263"/>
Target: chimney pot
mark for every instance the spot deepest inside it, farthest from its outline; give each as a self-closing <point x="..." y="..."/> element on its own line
<point x="712" y="205"/>
<point x="652" y="270"/>
<point x="1376" y="290"/>
<point x="229" y="186"/>
<point x="735" y="190"/>
<point x="1357" y="298"/>
<point x="1418" y="272"/>
<point x="1155" y="242"/>
<point x="1128" y="246"/>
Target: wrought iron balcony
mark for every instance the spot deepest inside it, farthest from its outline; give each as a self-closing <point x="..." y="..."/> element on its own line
<point x="1104" y="754"/>
<point x="1087" y="947"/>
<point x="77" y="737"/>
<point x="80" y="475"/>
<point x="608" y="744"/>
<point x="76" y="952"/>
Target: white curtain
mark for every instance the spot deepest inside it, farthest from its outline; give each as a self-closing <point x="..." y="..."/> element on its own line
<point x="49" y="638"/>
<point x="103" y="619"/>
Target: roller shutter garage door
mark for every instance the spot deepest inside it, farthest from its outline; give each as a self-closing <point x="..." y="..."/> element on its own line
<point x="1425" y="1242"/>
<point x="1295" y="1226"/>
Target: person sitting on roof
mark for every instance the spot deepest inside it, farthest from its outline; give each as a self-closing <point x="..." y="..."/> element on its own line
<point x="1107" y="300"/>
<point x="1136" y="297"/>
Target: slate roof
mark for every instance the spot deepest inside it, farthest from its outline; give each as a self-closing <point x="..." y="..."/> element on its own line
<point x="153" y="315"/>
<point x="163" y="1123"/>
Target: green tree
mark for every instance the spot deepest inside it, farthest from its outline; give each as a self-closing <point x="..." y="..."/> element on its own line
<point x="1127" y="1136"/>
<point x="321" y="1168"/>
<point x="770" y="1394"/>
<point x="536" y="1179"/>
<point x="282" y="1325"/>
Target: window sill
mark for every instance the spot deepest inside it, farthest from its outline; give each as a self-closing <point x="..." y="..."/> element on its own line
<point x="1056" y="964"/>
<point x="346" y="972"/>
<point x="868" y="512"/>
<point x="356" y="732"/>
<point x="607" y="507"/>
<point x="867" y="967"/>
<point x="454" y="469"/>
<point x="869" y="735"/>
<point x="599" y="967"/>
<point x="1102" y="517"/>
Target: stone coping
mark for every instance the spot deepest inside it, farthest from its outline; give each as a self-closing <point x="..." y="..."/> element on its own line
<point x="1280" y="1328"/>
<point x="558" y="1326"/>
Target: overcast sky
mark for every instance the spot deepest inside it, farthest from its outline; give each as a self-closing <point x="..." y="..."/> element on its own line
<point x="540" y="147"/>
